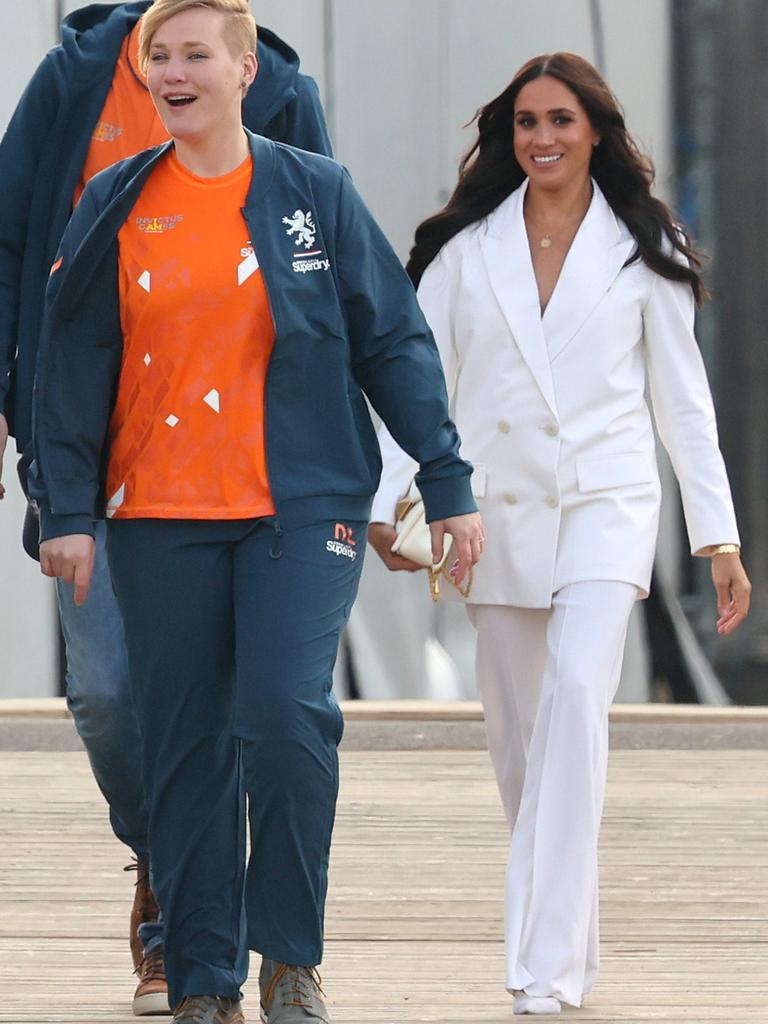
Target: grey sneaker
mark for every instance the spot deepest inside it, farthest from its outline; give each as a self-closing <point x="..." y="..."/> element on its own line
<point x="291" y="995"/>
<point x="208" y="1010"/>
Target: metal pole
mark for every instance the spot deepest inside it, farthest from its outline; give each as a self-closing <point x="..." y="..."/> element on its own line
<point x="598" y="35"/>
<point x="59" y="13"/>
<point x="329" y="97"/>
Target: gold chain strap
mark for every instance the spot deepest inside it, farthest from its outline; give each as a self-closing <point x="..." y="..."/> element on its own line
<point x="434" y="582"/>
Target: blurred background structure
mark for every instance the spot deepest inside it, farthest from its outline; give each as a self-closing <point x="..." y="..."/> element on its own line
<point x="399" y="82"/>
<point x="721" y="157"/>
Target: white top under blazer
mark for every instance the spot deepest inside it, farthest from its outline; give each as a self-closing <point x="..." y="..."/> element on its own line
<point x="552" y="409"/>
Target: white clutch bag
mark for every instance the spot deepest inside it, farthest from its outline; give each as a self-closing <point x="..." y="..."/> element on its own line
<point x="414" y="542"/>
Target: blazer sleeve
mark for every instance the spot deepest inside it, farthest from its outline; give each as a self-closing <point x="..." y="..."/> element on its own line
<point x="435" y="293"/>
<point x="685" y="415"/>
<point x="21" y="150"/>
<point x="394" y="357"/>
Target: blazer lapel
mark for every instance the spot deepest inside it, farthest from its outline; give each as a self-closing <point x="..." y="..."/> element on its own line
<point x="597" y="255"/>
<point x="507" y="259"/>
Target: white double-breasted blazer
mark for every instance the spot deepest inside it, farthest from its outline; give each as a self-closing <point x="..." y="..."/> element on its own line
<point x="552" y="409"/>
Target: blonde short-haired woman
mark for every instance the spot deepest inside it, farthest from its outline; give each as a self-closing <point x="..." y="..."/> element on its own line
<point x="217" y="311"/>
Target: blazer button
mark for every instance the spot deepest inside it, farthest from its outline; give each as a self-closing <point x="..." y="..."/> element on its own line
<point x="552" y="429"/>
<point x="509" y="499"/>
<point x="504" y="427"/>
<point x="553" y="502"/>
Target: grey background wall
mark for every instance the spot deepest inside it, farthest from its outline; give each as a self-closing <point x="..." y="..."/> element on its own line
<point x="28" y="636"/>
<point x="399" y="81"/>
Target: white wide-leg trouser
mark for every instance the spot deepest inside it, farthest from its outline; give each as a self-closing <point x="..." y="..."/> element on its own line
<point x="547" y="678"/>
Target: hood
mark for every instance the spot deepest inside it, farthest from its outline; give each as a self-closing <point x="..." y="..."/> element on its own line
<point x="275" y="84"/>
<point x="86" y="32"/>
<point x="92" y="36"/>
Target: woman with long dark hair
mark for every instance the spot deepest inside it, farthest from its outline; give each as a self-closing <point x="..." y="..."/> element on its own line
<point x="557" y="287"/>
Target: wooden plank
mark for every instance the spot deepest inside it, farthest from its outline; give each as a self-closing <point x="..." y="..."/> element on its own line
<point x="414" y="927"/>
<point x="31" y="707"/>
<point x="458" y="711"/>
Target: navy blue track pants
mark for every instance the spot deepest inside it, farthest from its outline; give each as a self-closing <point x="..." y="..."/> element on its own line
<point x="232" y="629"/>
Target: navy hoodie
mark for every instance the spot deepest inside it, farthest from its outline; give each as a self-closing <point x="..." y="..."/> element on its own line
<point x="44" y="149"/>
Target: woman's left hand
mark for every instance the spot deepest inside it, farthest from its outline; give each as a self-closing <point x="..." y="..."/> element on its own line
<point x="733" y="591"/>
<point x="468" y="541"/>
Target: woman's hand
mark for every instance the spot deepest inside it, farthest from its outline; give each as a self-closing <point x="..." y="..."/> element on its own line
<point x="71" y="558"/>
<point x="468" y="541"/>
<point x="381" y="537"/>
<point x="733" y="591"/>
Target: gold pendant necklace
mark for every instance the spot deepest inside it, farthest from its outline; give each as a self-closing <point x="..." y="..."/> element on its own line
<point x="545" y="242"/>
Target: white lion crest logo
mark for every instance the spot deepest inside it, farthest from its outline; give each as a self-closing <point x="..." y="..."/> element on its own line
<point x="301" y="225"/>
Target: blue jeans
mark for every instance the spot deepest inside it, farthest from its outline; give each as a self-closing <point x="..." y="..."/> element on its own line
<point x="99" y="698"/>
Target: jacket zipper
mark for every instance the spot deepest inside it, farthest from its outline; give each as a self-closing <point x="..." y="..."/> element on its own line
<point x="267" y="445"/>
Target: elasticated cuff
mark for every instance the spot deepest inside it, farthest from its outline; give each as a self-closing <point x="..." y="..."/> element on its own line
<point x="445" y="497"/>
<point x="62" y="526"/>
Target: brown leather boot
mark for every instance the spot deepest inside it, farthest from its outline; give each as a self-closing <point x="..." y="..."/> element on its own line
<point x="151" y="996"/>
<point x="144" y="909"/>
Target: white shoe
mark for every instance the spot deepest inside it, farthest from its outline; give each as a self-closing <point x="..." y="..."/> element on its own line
<point x="536" y="1004"/>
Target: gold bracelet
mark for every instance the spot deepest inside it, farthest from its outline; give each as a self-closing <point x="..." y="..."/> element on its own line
<point x="726" y="549"/>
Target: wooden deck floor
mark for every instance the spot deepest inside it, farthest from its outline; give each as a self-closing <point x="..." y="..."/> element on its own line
<point x="414" y="911"/>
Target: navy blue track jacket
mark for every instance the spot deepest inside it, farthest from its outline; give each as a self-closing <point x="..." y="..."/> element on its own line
<point x="44" y="149"/>
<point x="347" y="324"/>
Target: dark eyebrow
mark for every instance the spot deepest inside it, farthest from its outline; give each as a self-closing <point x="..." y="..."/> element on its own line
<point x="555" y="110"/>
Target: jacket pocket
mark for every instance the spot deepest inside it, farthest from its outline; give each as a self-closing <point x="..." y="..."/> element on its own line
<point x="603" y="472"/>
<point x="478" y="480"/>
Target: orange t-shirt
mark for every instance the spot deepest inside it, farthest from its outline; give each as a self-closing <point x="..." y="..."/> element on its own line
<point x="129" y="121"/>
<point x="187" y="431"/>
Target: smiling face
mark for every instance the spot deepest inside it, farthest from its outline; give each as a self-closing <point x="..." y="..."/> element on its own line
<point x="196" y="82"/>
<point x="553" y="136"/>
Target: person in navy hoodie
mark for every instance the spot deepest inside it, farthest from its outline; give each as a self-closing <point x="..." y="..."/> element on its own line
<point x="218" y="310"/>
<point x="86" y="107"/>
